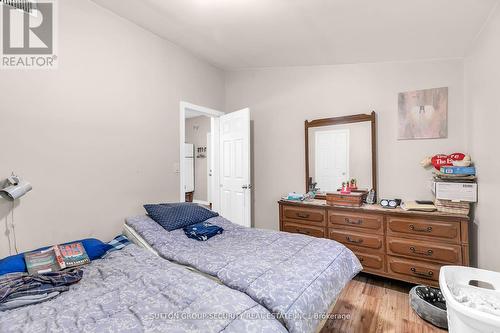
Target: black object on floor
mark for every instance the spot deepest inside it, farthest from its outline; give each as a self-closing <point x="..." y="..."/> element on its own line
<point x="429" y="304"/>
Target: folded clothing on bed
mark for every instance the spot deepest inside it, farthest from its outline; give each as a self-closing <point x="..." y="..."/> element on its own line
<point x="202" y="231"/>
<point x="19" y="289"/>
<point x="27" y="300"/>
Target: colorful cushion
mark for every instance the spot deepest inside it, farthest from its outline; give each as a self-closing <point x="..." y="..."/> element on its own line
<point x="178" y="216"/>
<point x="118" y="243"/>
<point x="94" y="247"/>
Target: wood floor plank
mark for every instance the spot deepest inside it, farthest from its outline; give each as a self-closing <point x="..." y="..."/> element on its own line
<point x="379" y="305"/>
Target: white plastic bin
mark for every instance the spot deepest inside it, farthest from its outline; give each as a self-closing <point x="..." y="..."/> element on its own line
<point x="463" y="318"/>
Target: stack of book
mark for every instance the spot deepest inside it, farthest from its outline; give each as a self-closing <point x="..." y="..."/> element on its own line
<point x="56" y="258"/>
<point x="455" y="188"/>
<point x="453" y="207"/>
<point x="456" y="174"/>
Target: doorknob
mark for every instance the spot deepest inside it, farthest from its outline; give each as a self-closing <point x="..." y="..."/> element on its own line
<point x="246" y="187"/>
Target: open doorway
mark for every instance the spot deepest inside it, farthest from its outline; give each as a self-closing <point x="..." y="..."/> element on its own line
<point x="220" y="152"/>
<point x="199" y="155"/>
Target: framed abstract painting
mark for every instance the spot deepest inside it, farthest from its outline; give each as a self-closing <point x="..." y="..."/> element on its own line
<point x="423" y="114"/>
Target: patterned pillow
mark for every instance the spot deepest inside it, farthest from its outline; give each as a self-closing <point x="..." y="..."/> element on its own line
<point x="175" y="204"/>
<point x="178" y="216"/>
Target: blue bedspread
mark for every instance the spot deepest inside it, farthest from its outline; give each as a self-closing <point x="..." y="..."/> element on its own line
<point x="294" y="276"/>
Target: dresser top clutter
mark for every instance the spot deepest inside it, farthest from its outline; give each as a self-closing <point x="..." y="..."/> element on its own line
<point x="374" y="208"/>
<point x="389" y="241"/>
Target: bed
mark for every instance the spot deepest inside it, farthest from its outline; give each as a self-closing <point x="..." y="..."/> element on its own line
<point x="133" y="290"/>
<point x="296" y="277"/>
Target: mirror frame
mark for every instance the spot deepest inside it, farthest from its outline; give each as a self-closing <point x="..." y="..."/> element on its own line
<point x="357" y="118"/>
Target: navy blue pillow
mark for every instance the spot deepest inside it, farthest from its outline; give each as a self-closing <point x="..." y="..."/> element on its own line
<point x="94" y="248"/>
<point x="172" y="217"/>
<point x="175" y="204"/>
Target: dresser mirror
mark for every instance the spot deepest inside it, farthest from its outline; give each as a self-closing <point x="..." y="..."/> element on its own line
<point x="340" y="149"/>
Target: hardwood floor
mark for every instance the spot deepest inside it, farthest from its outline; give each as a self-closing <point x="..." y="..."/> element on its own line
<point x="376" y="305"/>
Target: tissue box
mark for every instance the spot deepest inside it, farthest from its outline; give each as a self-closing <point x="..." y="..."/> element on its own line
<point x="466" y="192"/>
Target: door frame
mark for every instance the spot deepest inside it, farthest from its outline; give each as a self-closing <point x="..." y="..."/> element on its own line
<point x="214" y="115"/>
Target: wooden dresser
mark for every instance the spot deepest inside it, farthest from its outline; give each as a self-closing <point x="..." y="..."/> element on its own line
<point x="407" y="246"/>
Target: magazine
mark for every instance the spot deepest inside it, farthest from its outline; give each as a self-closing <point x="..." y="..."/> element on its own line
<point x="40" y="262"/>
<point x="56" y="258"/>
<point x="73" y="254"/>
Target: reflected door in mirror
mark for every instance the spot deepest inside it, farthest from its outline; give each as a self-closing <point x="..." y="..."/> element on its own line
<point x="331" y="158"/>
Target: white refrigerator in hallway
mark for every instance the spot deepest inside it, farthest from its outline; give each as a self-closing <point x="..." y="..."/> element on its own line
<point x="188" y="167"/>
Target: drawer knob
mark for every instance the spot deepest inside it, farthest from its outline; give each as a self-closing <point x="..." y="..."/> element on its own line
<point x="426" y="274"/>
<point x="424" y="253"/>
<point x="303" y="215"/>
<point x="413" y="228"/>
<point x="356" y="222"/>
<point x="302" y="232"/>
<point x="355" y="241"/>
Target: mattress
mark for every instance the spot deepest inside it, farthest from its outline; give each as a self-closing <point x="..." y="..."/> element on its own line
<point x="294" y="276"/>
<point x="137" y="239"/>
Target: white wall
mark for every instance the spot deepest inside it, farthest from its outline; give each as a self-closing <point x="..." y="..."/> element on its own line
<point x="97" y="137"/>
<point x="482" y="77"/>
<point x="282" y="98"/>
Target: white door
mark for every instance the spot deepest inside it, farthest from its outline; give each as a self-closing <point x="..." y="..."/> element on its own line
<point x="332" y="159"/>
<point x="235" y="185"/>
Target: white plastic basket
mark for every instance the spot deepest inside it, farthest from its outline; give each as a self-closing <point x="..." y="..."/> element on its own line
<point x="462" y="318"/>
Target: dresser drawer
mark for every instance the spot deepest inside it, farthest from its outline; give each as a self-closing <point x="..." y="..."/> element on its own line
<point x="363" y="222"/>
<point x="304" y="229"/>
<point x="312" y="216"/>
<point x="413" y="269"/>
<point x="447" y="253"/>
<point x="370" y="261"/>
<point x="355" y="238"/>
<point x="421" y="228"/>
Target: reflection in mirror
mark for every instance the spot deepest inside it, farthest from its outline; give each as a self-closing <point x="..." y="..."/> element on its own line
<point x="338" y="153"/>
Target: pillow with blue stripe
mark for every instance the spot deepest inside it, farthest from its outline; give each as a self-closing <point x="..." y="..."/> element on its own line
<point x="177" y="216"/>
<point x="13" y="264"/>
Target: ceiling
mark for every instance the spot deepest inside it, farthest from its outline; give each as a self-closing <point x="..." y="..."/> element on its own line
<point x="234" y="34"/>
